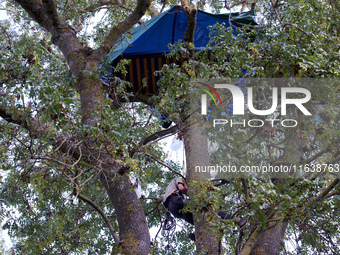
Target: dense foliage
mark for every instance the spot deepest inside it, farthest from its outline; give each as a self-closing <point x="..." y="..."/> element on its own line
<point x="44" y="185"/>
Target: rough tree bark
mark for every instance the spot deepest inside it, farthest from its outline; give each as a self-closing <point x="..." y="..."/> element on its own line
<point x="133" y="228"/>
<point x="269" y="242"/>
<point x="196" y="151"/>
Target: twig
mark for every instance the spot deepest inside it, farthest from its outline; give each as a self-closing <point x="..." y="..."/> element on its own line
<point x="319" y="154"/>
<point x="105" y="218"/>
<point x="162" y="163"/>
<point x="220" y="182"/>
<point x="4" y="201"/>
<point x="58" y="161"/>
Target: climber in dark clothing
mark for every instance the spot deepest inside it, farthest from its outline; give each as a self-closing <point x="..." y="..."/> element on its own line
<point x="175" y="201"/>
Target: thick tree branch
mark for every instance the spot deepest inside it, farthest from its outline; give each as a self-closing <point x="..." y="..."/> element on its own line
<point x="250" y="244"/>
<point x="37" y="11"/>
<point x="122" y="27"/>
<point x="324" y="193"/>
<point x="22" y="119"/>
<point x="62" y="34"/>
<point x="189" y="35"/>
<point x="253" y="246"/>
<point x="331" y="194"/>
<point x="159" y="135"/>
<point x="51" y="12"/>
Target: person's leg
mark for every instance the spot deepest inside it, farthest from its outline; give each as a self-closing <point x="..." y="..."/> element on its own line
<point x="188" y="217"/>
<point x="176" y="204"/>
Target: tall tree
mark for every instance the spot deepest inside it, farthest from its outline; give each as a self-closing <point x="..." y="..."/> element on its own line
<point x="71" y="153"/>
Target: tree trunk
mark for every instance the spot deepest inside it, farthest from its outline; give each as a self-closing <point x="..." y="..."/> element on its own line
<point x="83" y="63"/>
<point x="133" y="228"/>
<point x="269" y="242"/>
<point x="196" y="149"/>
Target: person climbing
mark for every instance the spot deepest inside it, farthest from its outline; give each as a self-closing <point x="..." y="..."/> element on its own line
<point x="175" y="201"/>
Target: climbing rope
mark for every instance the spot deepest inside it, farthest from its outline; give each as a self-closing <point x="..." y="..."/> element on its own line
<point x="168" y="228"/>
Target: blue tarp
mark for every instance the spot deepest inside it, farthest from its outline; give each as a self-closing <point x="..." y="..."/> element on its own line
<point x="154" y="36"/>
<point x="146" y="45"/>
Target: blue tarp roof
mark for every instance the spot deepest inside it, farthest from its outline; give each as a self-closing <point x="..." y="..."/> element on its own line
<point x="153" y="36"/>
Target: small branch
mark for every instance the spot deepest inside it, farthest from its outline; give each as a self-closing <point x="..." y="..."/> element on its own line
<point x="159" y="135"/>
<point x="57" y="161"/>
<point x="239" y="242"/>
<point x="154" y="11"/>
<point x="274" y="5"/>
<point x="220" y="182"/>
<point x="157" y="199"/>
<point x="319" y="154"/>
<point x="4" y="201"/>
<point x="79" y="26"/>
<point x="245" y="190"/>
<point x="251" y="137"/>
<point x="228" y="7"/>
<point x="162" y="163"/>
<point x="154" y="209"/>
<point x="108" y="2"/>
<point x="105" y="218"/>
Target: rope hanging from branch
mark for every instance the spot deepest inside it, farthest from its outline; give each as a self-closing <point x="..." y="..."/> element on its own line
<point x="168" y="228"/>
